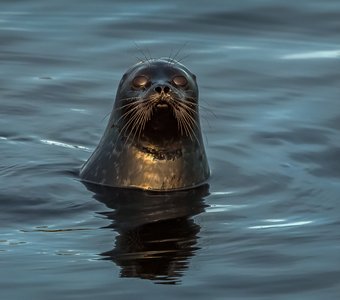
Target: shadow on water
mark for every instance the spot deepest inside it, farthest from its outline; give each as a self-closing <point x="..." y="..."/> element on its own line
<point x="156" y="232"/>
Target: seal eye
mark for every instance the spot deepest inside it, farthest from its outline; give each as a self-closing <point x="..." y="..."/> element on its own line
<point x="180" y="80"/>
<point x="140" y="81"/>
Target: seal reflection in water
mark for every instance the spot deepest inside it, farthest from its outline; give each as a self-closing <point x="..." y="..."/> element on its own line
<point x="153" y="139"/>
<point x="157" y="234"/>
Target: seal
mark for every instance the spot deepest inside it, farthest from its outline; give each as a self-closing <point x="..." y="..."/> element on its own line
<point x="153" y="139"/>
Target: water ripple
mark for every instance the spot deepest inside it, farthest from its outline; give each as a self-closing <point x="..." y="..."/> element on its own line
<point x="279" y="224"/>
<point x="65" y="145"/>
<point x="314" y="55"/>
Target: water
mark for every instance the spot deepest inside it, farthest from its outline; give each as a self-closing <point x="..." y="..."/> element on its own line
<point x="268" y="225"/>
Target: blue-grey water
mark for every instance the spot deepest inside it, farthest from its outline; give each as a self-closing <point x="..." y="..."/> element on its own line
<point x="268" y="225"/>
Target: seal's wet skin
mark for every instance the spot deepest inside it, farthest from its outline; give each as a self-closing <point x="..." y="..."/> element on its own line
<point x="153" y="139"/>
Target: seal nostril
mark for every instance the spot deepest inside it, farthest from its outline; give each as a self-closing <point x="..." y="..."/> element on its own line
<point x="166" y="89"/>
<point x="158" y="89"/>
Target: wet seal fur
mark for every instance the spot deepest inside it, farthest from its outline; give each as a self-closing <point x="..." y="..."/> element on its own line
<point x="153" y="140"/>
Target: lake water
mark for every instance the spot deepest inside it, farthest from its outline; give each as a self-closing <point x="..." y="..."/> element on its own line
<point x="268" y="224"/>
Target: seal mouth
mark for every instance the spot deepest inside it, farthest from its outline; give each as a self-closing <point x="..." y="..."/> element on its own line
<point x="162" y="104"/>
<point x="159" y="117"/>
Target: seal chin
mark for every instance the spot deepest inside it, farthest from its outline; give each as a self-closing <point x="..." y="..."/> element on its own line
<point x="153" y="139"/>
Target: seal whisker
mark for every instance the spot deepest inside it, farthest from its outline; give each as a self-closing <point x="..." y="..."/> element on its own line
<point x="105" y="116"/>
<point x="193" y="121"/>
<point x="187" y="125"/>
<point x="141" y="121"/>
<point x="207" y="109"/>
<point x="141" y="126"/>
<point x="183" y="58"/>
<point x="128" y="105"/>
<point x="135" y="128"/>
<point x="134" y="122"/>
<point x="145" y="118"/>
<point x="186" y="106"/>
<point x="130" y="111"/>
<point x="178" y="119"/>
<point x="130" y="98"/>
<point x="199" y="105"/>
<point x="142" y="52"/>
<point x="186" y="100"/>
<point x="138" y="59"/>
<point x="154" y="98"/>
<point x="191" y="126"/>
<point x="138" y="100"/>
<point x="184" y="123"/>
<point x="126" y="114"/>
<point x="131" y="120"/>
<point x="190" y="100"/>
<point x="190" y="123"/>
<point x="179" y="51"/>
<point x="168" y="59"/>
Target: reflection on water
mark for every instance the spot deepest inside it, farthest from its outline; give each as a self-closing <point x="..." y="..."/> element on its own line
<point x="156" y="232"/>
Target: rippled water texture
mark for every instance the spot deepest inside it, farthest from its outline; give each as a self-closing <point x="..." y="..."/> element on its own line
<point x="267" y="227"/>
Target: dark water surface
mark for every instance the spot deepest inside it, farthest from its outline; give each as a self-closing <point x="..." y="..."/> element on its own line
<point x="268" y="227"/>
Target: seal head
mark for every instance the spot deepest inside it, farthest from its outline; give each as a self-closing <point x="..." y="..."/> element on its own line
<point x="153" y="139"/>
